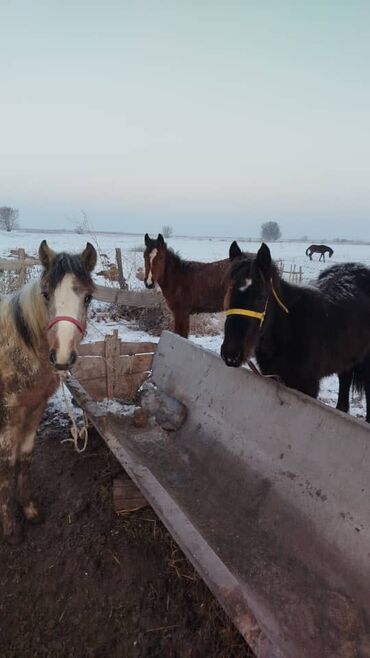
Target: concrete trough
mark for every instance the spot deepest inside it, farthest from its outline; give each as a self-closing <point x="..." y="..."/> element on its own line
<point x="267" y="492"/>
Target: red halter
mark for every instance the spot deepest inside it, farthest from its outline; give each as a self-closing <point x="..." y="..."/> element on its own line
<point x="66" y="318"/>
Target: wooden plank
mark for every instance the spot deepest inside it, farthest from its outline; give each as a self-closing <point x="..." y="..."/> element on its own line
<point x="112" y="346"/>
<point x="137" y="348"/>
<point x="92" y="349"/>
<point x="131" y="365"/>
<point x="126" y="496"/>
<point x="96" y="388"/>
<point x="9" y="264"/>
<point x="126" y="387"/>
<point x="134" y="298"/>
<point x="98" y="348"/>
<point x="89" y="367"/>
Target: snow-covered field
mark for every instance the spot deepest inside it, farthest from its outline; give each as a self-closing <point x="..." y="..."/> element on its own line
<point x="203" y="249"/>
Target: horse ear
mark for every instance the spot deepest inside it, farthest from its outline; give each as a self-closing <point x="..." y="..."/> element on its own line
<point x="46" y="255"/>
<point x="234" y="250"/>
<point x="263" y="261"/>
<point x="160" y="240"/>
<point x="89" y="257"/>
<point x="147" y="240"/>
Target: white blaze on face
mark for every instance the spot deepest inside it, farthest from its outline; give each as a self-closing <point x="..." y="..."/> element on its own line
<point x="247" y="284"/>
<point x="66" y="302"/>
<point x="152" y="256"/>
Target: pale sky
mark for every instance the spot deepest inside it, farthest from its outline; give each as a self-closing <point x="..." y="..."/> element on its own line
<point x="211" y="116"/>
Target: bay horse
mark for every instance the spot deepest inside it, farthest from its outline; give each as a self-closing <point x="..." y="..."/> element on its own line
<point x="298" y="333"/>
<point x="319" y="249"/>
<point x="41" y="327"/>
<point x="187" y="286"/>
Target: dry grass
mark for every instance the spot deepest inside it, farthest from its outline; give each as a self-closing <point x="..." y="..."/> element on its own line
<point x="156" y="319"/>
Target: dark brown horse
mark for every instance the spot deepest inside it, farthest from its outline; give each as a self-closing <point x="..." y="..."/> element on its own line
<point x="41" y="327"/>
<point x="319" y="249"/>
<point x="300" y="334"/>
<point x="187" y="286"/>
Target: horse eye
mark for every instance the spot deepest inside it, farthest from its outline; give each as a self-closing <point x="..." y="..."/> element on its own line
<point x="88" y="299"/>
<point x="45" y="295"/>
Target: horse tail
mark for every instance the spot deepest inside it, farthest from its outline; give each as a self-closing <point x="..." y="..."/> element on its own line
<point x="307" y="250"/>
<point x="330" y="252"/>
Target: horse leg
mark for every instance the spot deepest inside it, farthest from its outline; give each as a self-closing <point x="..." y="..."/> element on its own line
<point x="25" y="448"/>
<point x="308" y="385"/>
<point x="12" y="530"/>
<point x="310" y="255"/>
<point x="366" y="385"/>
<point x="345" y="381"/>
<point x="182" y="322"/>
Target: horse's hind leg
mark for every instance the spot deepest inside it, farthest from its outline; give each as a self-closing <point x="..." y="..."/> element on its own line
<point x="345" y="381"/>
<point x="12" y="529"/>
<point x="30" y="511"/>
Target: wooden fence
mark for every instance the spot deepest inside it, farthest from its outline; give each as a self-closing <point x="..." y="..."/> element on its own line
<point x="119" y="296"/>
<point x="112" y="368"/>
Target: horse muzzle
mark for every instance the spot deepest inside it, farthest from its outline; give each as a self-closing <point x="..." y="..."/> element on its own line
<point x="150" y="286"/>
<point x="233" y="359"/>
<point x="62" y="366"/>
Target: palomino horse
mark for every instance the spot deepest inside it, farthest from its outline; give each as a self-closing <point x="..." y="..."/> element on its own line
<point x="41" y="327"/>
<point x="319" y="249"/>
<point x="300" y="334"/>
<point x="187" y="286"/>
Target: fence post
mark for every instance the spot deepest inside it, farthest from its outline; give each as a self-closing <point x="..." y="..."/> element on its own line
<point x="121" y="279"/>
<point x="22" y="269"/>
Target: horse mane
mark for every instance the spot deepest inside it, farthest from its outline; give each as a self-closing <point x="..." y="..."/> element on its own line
<point x="67" y="264"/>
<point x="27" y="315"/>
<point x="176" y="259"/>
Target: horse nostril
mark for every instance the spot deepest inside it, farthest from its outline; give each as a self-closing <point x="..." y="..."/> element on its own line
<point x="52" y="357"/>
<point x="72" y="358"/>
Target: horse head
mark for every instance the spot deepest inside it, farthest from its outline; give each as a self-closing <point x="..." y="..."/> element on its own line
<point x="250" y="284"/>
<point x="155" y="259"/>
<point x="67" y="287"/>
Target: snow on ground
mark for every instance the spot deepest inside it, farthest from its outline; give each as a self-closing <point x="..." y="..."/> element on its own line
<point x="203" y="249"/>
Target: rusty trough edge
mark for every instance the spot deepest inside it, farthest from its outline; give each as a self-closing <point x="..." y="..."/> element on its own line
<point x="223" y="584"/>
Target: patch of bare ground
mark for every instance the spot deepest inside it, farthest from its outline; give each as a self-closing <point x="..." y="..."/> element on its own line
<point x="88" y="583"/>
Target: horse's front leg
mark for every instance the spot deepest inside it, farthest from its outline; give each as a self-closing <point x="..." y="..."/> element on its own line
<point x="12" y="530"/>
<point x="345" y="381"/>
<point x="25" y="449"/>
<point x="182" y="322"/>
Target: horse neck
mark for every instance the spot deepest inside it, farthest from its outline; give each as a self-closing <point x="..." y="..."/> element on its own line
<point x="172" y="269"/>
<point x="286" y="292"/>
<point x="35" y="318"/>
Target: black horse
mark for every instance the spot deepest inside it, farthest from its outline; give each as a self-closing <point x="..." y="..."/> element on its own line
<point x="319" y="249"/>
<point x="299" y="333"/>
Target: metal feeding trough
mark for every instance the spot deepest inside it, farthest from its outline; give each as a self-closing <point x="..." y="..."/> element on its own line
<point x="267" y="492"/>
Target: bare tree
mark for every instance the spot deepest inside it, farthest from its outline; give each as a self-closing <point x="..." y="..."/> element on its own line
<point x="8" y="218"/>
<point x="167" y="231"/>
<point x="81" y="224"/>
<point x="270" y="231"/>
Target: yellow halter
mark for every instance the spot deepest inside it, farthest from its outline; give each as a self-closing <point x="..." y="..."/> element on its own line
<point x="259" y="315"/>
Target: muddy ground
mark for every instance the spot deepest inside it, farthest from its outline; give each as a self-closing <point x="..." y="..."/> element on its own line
<point x="87" y="583"/>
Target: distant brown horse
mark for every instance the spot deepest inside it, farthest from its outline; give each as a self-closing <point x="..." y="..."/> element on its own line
<point x="319" y="249"/>
<point x="187" y="286"/>
<point x="41" y="327"/>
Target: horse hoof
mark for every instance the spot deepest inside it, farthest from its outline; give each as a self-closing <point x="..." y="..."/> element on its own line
<point x="15" y="537"/>
<point x="32" y="514"/>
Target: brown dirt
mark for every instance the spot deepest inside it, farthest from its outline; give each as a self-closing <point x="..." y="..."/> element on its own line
<point x="87" y="583"/>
